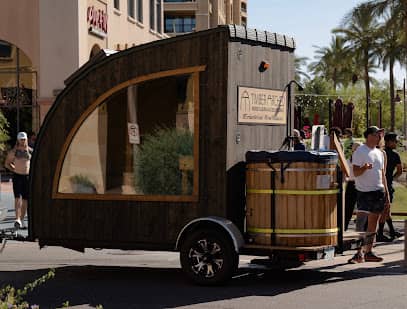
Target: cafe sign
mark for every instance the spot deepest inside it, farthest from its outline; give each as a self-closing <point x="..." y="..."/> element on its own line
<point x="97" y="22"/>
<point x="261" y="106"/>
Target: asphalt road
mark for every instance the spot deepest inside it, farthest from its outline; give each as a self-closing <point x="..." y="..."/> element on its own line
<point x="143" y="279"/>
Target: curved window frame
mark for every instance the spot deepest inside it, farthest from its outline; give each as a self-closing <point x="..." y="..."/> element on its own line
<point x="194" y="71"/>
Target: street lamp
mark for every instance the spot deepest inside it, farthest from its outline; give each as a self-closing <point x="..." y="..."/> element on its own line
<point x="288" y="87"/>
<point x="379" y="113"/>
<point x="288" y="116"/>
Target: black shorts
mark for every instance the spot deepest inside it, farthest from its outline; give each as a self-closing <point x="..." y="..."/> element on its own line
<point x="372" y="201"/>
<point x="20" y="186"/>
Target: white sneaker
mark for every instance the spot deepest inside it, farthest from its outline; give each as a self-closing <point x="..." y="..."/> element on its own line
<point x="23" y="226"/>
<point x="18" y="224"/>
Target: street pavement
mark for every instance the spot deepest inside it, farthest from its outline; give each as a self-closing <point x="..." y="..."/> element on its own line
<point x="7" y="201"/>
<point x="145" y="279"/>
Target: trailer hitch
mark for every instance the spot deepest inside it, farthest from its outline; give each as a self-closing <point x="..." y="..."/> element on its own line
<point x="10" y="234"/>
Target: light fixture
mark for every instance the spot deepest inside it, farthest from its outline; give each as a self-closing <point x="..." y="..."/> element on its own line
<point x="263" y="66"/>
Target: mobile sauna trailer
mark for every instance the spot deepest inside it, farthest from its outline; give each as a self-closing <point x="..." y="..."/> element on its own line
<point x="145" y="149"/>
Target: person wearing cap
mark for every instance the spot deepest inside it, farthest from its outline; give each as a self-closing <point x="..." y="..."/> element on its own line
<point x="368" y="163"/>
<point x="393" y="163"/>
<point x="18" y="161"/>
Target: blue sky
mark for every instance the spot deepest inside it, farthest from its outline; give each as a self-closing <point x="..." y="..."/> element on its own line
<point x="309" y="21"/>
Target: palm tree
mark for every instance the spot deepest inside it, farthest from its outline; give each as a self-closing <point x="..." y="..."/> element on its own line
<point x="332" y="62"/>
<point x="398" y="17"/>
<point x="360" y="31"/>
<point x="394" y="43"/>
<point x="390" y="51"/>
<point x="299" y="62"/>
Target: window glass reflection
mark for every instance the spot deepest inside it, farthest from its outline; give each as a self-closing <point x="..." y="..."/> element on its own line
<point x="140" y="141"/>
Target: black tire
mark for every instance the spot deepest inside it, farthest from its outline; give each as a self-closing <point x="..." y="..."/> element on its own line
<point x="208" y="257"/>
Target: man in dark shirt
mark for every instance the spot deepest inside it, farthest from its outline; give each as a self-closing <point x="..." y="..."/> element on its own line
<point x="393" y="163"/>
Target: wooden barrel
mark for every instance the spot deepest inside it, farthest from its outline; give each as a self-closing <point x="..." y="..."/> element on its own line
<point x="291" y="198"/>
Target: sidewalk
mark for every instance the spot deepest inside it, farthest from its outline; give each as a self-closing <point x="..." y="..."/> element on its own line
<point x="392" y="253"/>
<point x="6" y="186"/>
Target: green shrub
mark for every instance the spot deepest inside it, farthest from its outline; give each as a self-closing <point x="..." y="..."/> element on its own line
<point x="4" y="137"/>
<point x="157" y="163"/>
<point x="12" y="298"/>
<point x="82" y="184"/>
<point x="82" y="180"/>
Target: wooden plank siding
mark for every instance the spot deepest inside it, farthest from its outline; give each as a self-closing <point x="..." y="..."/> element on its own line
<point x="243" y="70"/>
<point x="135" y="224"/>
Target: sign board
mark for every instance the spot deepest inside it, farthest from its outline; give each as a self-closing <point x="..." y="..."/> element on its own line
<point x="342" y="159"/>
<point x="97" y="21"/>
<point x="261" y="106"/>
<point x="134" y="134"/>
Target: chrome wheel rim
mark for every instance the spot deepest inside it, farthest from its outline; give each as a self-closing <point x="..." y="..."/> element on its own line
<point x="206" y="258"/>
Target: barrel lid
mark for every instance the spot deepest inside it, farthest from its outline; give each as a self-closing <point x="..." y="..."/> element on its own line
<point x="291" y="156"/>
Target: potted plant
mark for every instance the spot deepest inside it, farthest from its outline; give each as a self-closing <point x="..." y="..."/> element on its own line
<point x="161" y="166"/>
<point x="82" y="184"/>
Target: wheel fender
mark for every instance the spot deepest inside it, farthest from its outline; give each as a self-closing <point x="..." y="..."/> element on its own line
<point x="227" y="225"/>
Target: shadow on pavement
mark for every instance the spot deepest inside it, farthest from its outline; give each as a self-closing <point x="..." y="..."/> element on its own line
<point x="135" y="287"/>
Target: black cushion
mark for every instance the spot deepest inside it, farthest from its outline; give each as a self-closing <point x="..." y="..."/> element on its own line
<point x="327" y="157"/>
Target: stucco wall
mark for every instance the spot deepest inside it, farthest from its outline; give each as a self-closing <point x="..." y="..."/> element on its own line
<point x="54" y="35"/>
<point x="58" y="44"/>
<point x="19" y="25"/>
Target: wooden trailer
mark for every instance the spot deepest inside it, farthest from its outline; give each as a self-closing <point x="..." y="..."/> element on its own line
<point x="145" y="148"/>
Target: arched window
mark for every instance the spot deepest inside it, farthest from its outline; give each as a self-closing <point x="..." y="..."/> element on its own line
<point x="95" y="49"/>
<point x="140" y="142"/>
<point x="18" y="91"/>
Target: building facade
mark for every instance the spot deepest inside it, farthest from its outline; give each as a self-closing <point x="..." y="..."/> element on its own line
<point x="47" y="40"/>
<point x="42" y="42"/>
<point x="183" y="16"/>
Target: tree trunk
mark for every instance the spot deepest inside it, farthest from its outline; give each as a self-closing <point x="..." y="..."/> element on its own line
<point x="334" y="80"/>
<point x="367" y="87"/>
<point x="405" y="27"/>
<point x="392" y="99"/>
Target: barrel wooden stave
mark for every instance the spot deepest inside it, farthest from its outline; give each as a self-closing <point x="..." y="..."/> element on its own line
<point x="293" y="212"/>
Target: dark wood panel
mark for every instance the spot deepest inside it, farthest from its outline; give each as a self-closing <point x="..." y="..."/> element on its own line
<point x="127" y="223"/>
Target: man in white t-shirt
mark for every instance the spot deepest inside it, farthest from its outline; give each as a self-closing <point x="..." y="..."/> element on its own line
<point x="372" y="194"/>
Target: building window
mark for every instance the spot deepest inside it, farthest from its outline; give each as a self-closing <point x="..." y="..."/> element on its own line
<point x="179" y="24"/>
<point x="158" y="16"/>
<point x="5" y="50"/>
<point x="152" y="19"/>
<point x="140" y="10"/>
<point x="244" y="8"/>
<point x="130" y="8"/>
<point x="244" y="21"/>
<point x="125" y="147"/>
<point x="116" y="4"/>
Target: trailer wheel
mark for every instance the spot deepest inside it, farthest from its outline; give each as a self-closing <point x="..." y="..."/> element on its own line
<point x="208" y="257"/>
